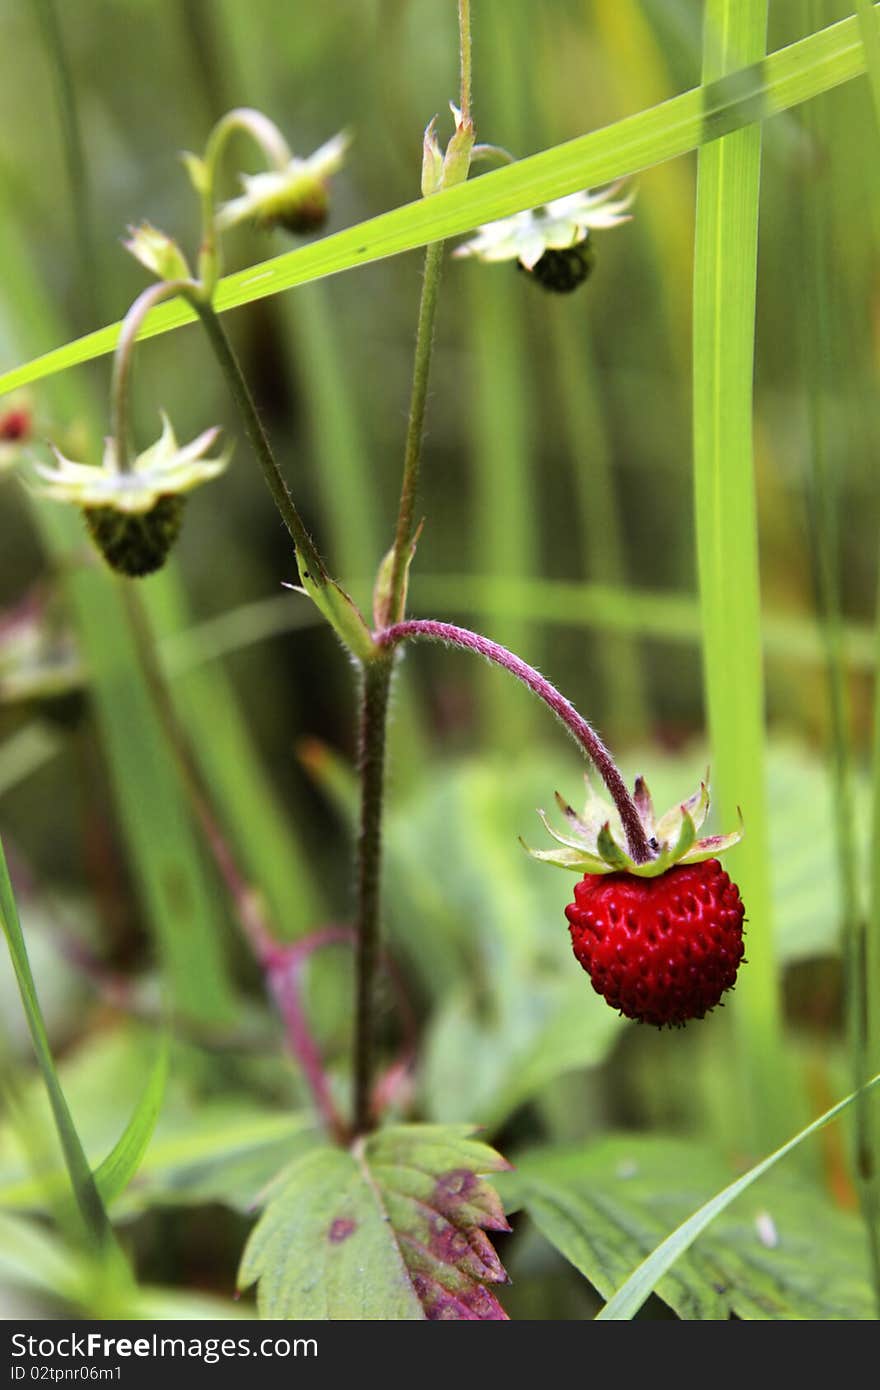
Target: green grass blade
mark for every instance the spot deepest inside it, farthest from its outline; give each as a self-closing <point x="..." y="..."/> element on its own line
<point x="122" y="1162"/>
<point x="665" y="615"/>
<point x="786" y="78"/>
<point x="727" y="533"/>
<point x="95" y="1222"/>
<point x="866" y="14"/>
<point x="602" y="539"/>
<point x="629" y="1298"/>
<point x="829" y="359"/>
<point x="242" y="795"/>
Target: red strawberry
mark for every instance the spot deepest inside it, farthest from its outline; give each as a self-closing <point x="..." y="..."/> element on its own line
<point x="664" y="949"/>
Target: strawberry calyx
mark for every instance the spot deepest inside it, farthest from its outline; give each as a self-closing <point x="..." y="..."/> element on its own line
<point x="595" y="842"/>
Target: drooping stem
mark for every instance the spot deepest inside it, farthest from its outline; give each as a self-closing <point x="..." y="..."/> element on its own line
<point x="271" y="142"/>
<point x="253" y="425"/>
<point x="431" y="631"/>
<point x="123" y="357"/>
<point x="375" y="694"/>
<point x="415" y="426"/>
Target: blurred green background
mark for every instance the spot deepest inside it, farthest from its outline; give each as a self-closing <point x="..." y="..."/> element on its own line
<point x="557" y="490"/>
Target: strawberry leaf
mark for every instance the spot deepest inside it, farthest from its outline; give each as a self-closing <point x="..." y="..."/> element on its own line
<point x="781" y="1251"/>
<point x="395" y="1228"/>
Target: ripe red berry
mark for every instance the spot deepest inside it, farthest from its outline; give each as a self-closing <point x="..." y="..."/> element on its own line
<point x="661" y="950"/>
<point x="15" y="425"/>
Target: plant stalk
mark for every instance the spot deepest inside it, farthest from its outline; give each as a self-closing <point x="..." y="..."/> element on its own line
<point x="253" y="425"/>
<point x="378" y="672"/>
<point x="375" y="695"/>
<point x="415" y="428"/>
<point x="123" y="357"/>
<point x="431" y="631"/>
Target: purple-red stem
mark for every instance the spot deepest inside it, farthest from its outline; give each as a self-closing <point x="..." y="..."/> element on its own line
<point x="426" y="629"/>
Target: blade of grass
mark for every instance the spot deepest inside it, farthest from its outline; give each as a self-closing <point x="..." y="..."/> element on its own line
<point x="684" y="123"/>
<point x="90" y="1207"/>
<point x="662" y="615"/>
<point x="866" y="13"/>
<point x="629" y="1298"/>
<point x="728" y="181"/>
<point x="502" y="411"/>
<point x="602" y="533"/>
<point x="241" y="793"/>
<point x="827" y="352"/>
<point x="124" y="1159"/>
<point x="77" y="172"/>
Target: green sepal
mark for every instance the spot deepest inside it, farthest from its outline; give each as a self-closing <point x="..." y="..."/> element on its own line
<point x="696" y="806"/>
<point x="712" y="846"/>
<point x="591" y="846"/>
<point x="382" y="614"/>
<point x="577" y="860"/>
<point x="457" y="160"/>
<point x="687" y="834"/>
<point x="560" y="839"/>
<point x="610" y="850"/>
<point x="590" y="823"/>
<point x="341" y="612"/>
<point x="197" y="170"/>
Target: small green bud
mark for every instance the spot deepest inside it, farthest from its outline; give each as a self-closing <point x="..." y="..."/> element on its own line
<point x="159" y="253"/>
<point x="432" y="160"/>
<point x="457" y="162"/>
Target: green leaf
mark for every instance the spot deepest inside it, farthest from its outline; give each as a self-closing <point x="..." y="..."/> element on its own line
<point x="124" y="1159"/>
<point x="781" y="1253"/>
<point x="784" y="79"/>
<point x="340" y="611"/>
<point x="91" y="1209"/>
<point x="393" y="1229"/>
<point x="490" y="1062"/>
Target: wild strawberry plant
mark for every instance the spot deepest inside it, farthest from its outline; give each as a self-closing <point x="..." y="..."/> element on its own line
<point x="370" y="1205"/>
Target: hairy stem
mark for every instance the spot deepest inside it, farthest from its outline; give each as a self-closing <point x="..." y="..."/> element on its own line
<point x="259" y="440"/>
<point x="374" y="721"/>
<point x="378" y="671"/>
<point x="415" y="427"/>
<point x="431" y="631"/>
<point x="464" y="31"/>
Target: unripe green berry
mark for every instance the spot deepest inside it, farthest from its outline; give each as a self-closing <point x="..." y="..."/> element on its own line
<point x="563" y="270"/>
<point x="136" y="543"/>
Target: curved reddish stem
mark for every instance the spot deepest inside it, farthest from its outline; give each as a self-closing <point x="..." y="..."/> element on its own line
<point x="283" y="963"/>
<point x="426" y="629"/>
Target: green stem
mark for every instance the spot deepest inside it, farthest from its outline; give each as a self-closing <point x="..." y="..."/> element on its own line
<point x="465" y="49"/>
<point x="266" y="135"/>
<point x="253" y="425"/>
<point x="122" y="360"/>
<point x="415" y="429"/>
